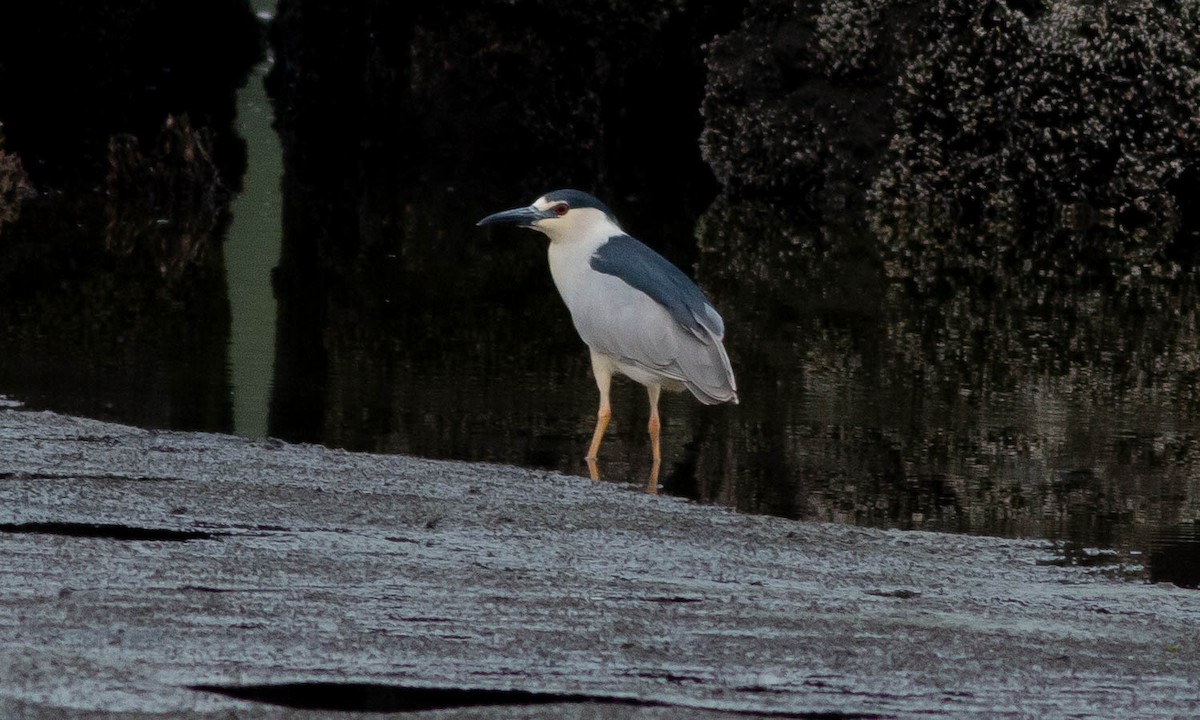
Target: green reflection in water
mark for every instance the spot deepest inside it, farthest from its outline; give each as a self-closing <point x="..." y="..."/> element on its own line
<point x="251" y="251"/>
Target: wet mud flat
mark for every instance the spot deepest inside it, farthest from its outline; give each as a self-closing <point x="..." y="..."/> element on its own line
<point x="150" y="574"/>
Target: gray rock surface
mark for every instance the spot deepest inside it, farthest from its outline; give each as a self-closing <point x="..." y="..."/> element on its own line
<point x="138" y="564"/>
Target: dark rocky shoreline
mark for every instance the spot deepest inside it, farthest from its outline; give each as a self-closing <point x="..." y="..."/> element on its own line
<point x="141" y="564"/>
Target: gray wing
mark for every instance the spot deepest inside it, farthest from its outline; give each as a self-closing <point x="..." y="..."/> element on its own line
<point x="646" y="312"/>
<point x="638" y="265"/>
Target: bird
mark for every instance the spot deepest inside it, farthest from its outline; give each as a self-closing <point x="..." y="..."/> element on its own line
<point x="639" y="315"/>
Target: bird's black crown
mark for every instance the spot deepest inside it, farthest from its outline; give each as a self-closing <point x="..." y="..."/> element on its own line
<point x="578" y="199"/>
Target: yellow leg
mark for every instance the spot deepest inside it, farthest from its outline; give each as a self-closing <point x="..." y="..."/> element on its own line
<point x="602" y="419"/>
<point x="602" y="369"/>
<point x="655" y="426"/>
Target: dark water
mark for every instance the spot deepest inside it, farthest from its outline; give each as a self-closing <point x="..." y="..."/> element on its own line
<point x="1032" y="408"/>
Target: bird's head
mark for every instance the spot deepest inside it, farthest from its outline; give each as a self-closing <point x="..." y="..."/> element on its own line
<point x="561" y="215"/>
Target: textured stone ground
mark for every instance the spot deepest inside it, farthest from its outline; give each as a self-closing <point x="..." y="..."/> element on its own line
<point x="137" y="565"/>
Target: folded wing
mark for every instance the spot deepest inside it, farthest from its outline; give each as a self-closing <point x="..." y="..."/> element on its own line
<point x="647" y="313"/>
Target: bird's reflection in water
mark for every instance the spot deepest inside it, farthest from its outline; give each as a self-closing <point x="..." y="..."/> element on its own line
<point x="651" y="482"/>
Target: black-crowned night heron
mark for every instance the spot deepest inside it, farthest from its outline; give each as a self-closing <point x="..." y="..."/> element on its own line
<point x="639" y="315"/>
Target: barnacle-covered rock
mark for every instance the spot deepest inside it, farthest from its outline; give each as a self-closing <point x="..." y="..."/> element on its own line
<point x="798" y="98"/>
<point x="14" y="183"/>
<point x="972" y="136"/>
<point x="1068" y="135"/>
<point x="165" y="203"/>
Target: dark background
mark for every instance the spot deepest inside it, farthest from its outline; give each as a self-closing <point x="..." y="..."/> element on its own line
<point x="953" y="242"/>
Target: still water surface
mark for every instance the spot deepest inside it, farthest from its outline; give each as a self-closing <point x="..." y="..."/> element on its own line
<point x="251" y="251"/>
<point x="1064" y="412"/>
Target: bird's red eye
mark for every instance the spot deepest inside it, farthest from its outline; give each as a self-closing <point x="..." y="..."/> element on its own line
<point x="561" y="209"/>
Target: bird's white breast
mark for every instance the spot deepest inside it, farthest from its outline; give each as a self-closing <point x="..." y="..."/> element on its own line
<point x="570" y="262"/>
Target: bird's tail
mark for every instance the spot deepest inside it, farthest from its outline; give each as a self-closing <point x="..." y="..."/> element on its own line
<point x="710" y="376"/>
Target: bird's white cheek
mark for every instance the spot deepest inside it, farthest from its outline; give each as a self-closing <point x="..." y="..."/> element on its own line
<point x="550" y="229"/>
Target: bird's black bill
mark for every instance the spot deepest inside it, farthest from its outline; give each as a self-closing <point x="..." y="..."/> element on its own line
<point x="523" y="217"/>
